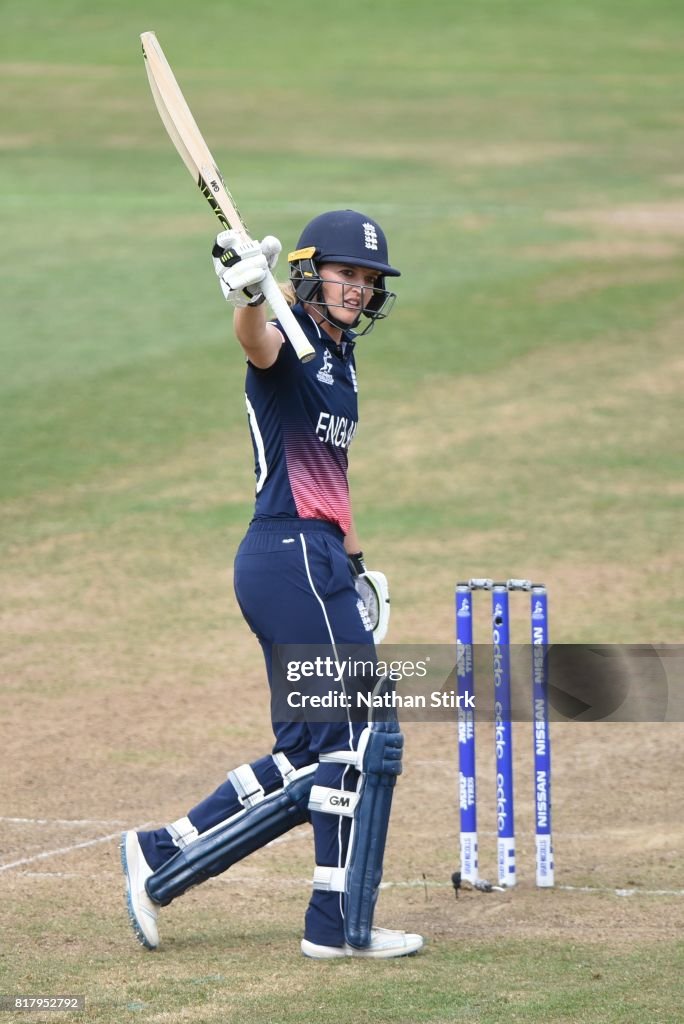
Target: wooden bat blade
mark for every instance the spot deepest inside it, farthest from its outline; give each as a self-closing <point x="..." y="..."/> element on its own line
<point x="183" y="131"/>
<point x="195" y="154"/>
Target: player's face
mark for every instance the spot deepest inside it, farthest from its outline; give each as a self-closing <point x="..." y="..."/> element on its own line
<point x="347" y="290"/>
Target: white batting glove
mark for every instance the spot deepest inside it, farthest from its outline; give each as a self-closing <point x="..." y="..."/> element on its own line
<point x="241" y="265"/>
<point x="373" y="590"/>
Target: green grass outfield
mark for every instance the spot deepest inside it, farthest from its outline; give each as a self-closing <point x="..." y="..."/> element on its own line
<point x="520" y="410"/>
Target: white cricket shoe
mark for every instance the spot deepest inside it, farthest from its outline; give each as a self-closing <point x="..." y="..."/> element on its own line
<point x="383" y="945"/>
<point x="142" y="911"/>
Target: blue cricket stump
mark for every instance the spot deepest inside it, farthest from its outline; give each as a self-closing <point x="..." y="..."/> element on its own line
<point x="465" y="682"/>
<point x="503" y="735"/>
<point x="542" y="740"/>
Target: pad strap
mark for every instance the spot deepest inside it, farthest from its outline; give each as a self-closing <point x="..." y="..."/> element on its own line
<point x="248" y="788"/>
<point x="284" y="766"/>
<point x="329" y="879"/>
<point x="333" y="801"/>
<point x="353" y="758"/>
<point x="182" y="832"/>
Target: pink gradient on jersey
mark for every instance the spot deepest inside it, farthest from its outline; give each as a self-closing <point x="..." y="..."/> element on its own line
<point x="318" y="480"/>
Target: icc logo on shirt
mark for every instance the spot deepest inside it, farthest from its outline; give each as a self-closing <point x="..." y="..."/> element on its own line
<point x="324" y="374"/>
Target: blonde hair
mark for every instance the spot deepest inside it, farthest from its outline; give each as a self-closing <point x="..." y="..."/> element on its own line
<point x="288" y="292"/>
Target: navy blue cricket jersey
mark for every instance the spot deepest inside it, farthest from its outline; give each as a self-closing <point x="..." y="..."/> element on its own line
<point x="302" y="418"/>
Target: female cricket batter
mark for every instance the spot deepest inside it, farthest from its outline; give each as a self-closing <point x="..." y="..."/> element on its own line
<point x="296" y="583"/>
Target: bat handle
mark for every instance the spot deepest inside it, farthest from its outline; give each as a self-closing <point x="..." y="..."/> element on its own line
<point x="278" y="304"/>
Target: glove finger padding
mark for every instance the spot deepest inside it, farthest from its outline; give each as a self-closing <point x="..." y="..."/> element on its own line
<point x="245" y="274"/>
<point x="240" y="266"/>
<point x="227" y="240"/>
<point x="271" y="248"/>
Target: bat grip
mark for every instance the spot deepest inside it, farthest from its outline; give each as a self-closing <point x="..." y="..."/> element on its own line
<point x="278" y="304"/>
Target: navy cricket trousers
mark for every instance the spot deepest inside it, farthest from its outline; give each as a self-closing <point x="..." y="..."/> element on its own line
<point x="294" y="586"/>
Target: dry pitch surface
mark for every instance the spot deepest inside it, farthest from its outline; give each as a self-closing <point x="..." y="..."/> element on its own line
<point x="142" y="752"/>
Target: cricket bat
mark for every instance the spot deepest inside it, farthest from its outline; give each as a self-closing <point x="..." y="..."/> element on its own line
<point x="195" y="154"/>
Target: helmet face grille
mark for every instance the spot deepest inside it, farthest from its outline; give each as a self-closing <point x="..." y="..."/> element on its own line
<point x="307" y="282"/>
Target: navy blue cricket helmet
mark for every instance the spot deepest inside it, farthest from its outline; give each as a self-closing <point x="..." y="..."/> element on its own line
<point x="346" y="237"/>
